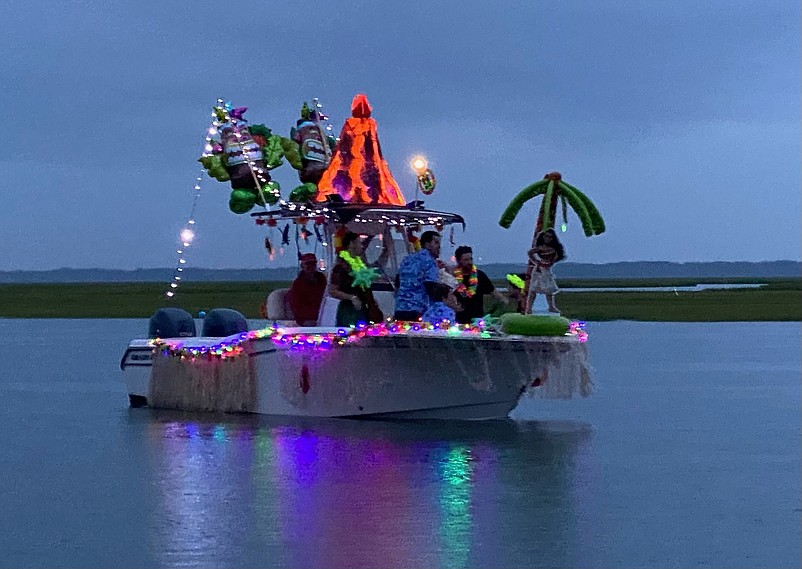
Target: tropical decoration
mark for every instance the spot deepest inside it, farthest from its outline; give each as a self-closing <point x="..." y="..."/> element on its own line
<point x="363" y="275"/>
<point x="358" y="172"/>
<point x="242" y="154"/>
<point x="315" y="147"/>
<point x="516" y="281"/>
<point x="554" y="190"/>
<point x="426" y="181"/>
<point x="414" y="240"/>
<point x="473" y="281"/>
<point x="308" y="150"/>
<point x="534" y="324"/>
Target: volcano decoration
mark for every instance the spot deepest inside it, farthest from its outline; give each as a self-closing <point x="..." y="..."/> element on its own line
<point x="358" y="172"/>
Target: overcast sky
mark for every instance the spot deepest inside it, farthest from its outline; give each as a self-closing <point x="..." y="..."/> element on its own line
<point x="681" y="120"/>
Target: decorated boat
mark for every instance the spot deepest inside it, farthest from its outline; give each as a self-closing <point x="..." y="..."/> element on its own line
<point x="380" y="369"/>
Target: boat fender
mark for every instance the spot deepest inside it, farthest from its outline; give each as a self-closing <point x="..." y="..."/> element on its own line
<point x="222" y="322"/>
<point x="171" y="322"/>
<point x="533" y="324"/>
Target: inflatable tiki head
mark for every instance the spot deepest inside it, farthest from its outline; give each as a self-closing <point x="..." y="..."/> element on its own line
<point x="314" y="148"/>
<point x="240" y="148"/>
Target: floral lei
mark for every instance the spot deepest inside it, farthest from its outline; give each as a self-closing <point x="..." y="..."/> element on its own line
<point x="473" y="281"/>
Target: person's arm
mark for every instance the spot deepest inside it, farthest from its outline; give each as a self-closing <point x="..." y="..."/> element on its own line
<point x="335" y="292"/>
<point x="431" y="277"/>
<point x="295" y="303"/>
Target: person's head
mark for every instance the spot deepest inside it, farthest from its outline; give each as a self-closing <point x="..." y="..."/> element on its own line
<point x="308" y="263"/>
<point x="548" y="238"/>
<point x="352" y="243"/>
<point x="464" y="257"/>
<point x="440" y="292"/>
<point x="430" y="240"/>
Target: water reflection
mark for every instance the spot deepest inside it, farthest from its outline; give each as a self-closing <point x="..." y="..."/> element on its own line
<point x="330" y="493"/>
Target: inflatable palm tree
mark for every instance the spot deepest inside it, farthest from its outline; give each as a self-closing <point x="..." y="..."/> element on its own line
<point x="554" y="190"/>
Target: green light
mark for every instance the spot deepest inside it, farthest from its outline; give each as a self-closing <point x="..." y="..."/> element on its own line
<point x="455" y="503"/>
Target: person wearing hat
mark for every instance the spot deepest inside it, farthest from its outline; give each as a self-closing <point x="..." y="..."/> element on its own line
<point x="307" y="291"/>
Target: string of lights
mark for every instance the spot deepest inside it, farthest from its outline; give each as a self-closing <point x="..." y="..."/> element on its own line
<point x="187" y="233"/>
<point x="327" y="340"/>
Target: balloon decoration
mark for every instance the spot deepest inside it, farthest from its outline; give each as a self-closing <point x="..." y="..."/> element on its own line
<point x="358" y="172"/>
<point x="309" y="150"/>
<point x="554" y="190"/>
<point x="243" y="154"/>
<point x="426" y="182"/>
<point x="315" y="147"/>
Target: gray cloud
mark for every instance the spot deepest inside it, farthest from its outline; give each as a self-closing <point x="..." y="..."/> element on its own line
<point x="677" y="118"/>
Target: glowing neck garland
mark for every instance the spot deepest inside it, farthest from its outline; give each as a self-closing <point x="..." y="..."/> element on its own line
<point x="363" y="275"/>
<point x="473" y="281"/>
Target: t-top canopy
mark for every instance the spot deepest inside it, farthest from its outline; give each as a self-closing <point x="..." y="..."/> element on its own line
<point x="363" y="214"/>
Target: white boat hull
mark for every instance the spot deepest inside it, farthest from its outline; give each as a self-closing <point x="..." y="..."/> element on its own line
<point x="420" y="376"/>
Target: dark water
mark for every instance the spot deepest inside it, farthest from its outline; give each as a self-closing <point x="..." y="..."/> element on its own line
<point x="688" y="455"/>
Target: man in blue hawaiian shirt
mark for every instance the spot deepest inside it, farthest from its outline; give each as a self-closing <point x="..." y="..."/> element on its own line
<point x="417" y="276"/>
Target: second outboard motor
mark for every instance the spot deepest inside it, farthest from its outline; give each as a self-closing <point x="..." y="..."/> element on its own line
<point x="171" y="323"/>
<point x="221" y="322"/>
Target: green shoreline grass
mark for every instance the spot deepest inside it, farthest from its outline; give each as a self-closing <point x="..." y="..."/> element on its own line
<point x="778" y="300"/>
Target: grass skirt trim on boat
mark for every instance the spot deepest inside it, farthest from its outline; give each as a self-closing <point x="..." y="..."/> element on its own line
<point x="201" y="384"/>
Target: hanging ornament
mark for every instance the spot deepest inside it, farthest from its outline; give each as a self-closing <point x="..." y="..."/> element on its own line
<point x="269" y="247"/>
<point x="341" y="232"/>
<point x="318" y="235"/>
<point x="427" y="182"/>
<point x="413" y="239"/>
<point x="451" y="235"/>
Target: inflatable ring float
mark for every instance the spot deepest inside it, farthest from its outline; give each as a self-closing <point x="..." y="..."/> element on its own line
<point x="534" y="324"/>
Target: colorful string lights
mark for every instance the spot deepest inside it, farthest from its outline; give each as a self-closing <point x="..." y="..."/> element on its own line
<point x="324" y="341"/>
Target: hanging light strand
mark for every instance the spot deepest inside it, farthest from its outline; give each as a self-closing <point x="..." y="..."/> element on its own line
<point x="187" y="234"/>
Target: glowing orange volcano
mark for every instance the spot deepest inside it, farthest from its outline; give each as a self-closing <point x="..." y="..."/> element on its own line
<point x="358" y="172"/>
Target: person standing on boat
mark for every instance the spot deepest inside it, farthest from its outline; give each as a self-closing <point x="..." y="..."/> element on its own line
<point x="547" y="251"/>
<point x="418" y="275"/>
<point x="473" y="286"/>
<point x="354" y="301"/>
<point x="306" y="291"/>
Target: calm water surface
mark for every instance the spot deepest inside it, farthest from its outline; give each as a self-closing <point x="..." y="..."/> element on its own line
<point x="687" y="455"/>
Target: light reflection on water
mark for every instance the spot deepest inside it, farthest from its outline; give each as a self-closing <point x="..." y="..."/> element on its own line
<point x="350" y="493"/>
<point x="686" y="455"/>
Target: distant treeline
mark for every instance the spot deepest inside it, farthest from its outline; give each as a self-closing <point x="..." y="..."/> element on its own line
<point x="622" y="270"/>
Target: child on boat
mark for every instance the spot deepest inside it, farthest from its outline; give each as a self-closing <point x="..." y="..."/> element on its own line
<point x="442" y="306"/>
<point x="547" y="251"/>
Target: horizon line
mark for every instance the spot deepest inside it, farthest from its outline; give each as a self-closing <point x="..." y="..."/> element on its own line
<point x="293" y="267"/>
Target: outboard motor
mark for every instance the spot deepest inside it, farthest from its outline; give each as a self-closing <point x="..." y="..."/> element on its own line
<point x="171" y="323"/>
<point x="221" y="322"/>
